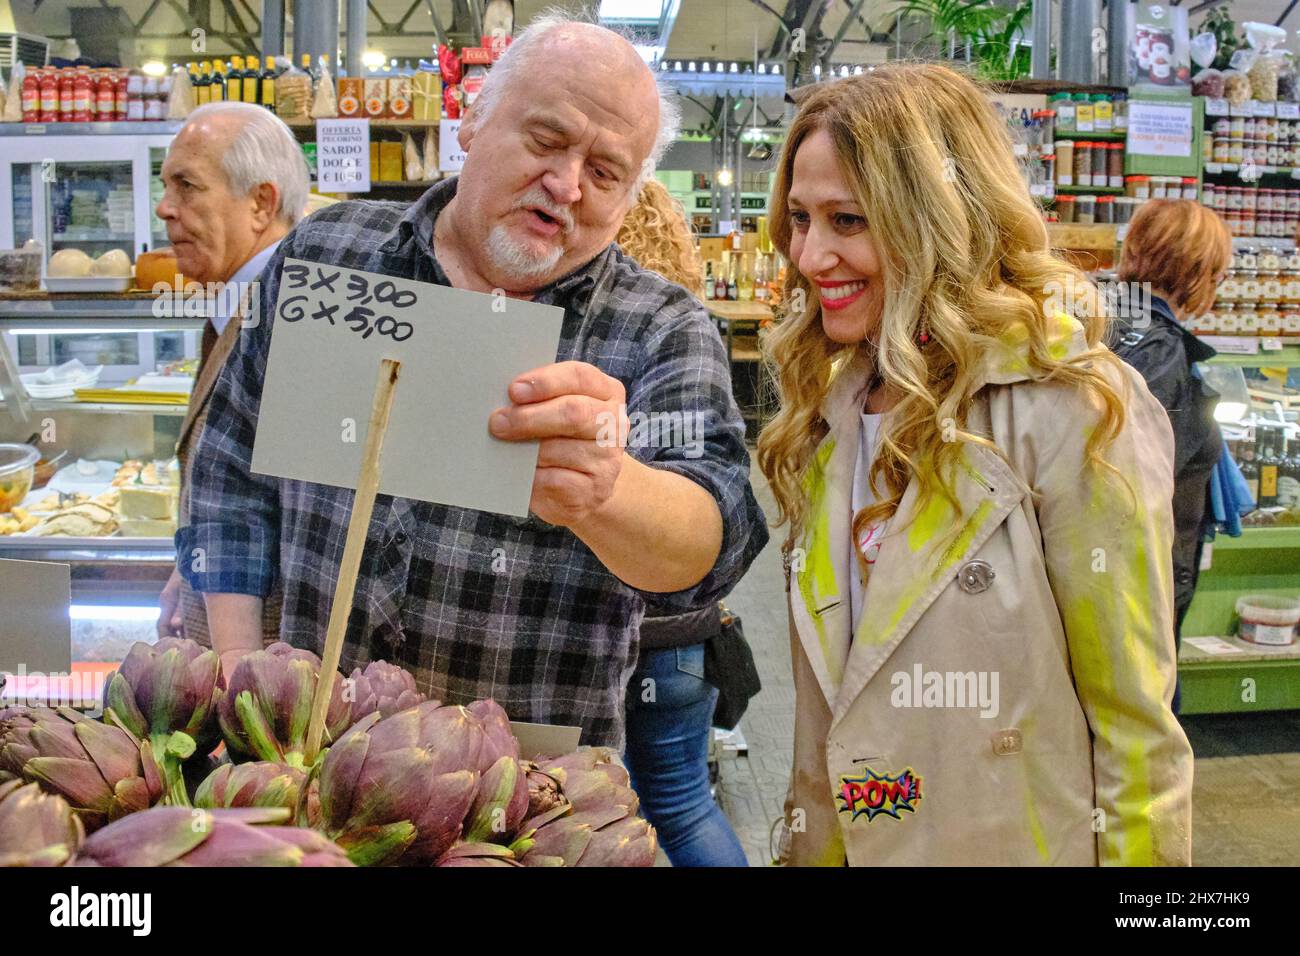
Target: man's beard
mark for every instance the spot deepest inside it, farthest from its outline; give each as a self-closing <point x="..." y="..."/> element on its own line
<point x="516" y="259"/>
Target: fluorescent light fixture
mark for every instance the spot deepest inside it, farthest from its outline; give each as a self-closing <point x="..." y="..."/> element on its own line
<point x="112" y="612"/>
<point x="719" y="68"/>
<point x="690" y="67"/>
<point x="373" y="59"/>
<point x="705" y="68"/>
<point x="844" y="71"/>
<point x="762" y="69"/>
<point x="734" y="69"/>
<point x="154" y="68"/>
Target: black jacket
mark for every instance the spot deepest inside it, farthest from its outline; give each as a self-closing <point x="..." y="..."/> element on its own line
<point x="1162" y="351"/>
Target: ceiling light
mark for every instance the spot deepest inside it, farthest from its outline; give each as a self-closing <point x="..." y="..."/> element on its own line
<point x="762" y="69"/>
<point x="373" y="59"/>
<point x="706" y="68"/>
<point x="724" y="177"/>
<point x="154" y="68"/>
<point x="734" y="69"/>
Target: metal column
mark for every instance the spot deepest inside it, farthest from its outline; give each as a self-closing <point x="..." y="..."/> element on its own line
<point x="316" y="30"/>
<point x="1117" y="42"/>
<point x="272" y="27"/>
<point x="1040" y="63"/>
<point x="356" y="41"/>
<point x="1074" y="48"/>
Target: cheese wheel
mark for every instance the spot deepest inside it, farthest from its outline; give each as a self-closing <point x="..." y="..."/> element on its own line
<point x="152" y="268"/>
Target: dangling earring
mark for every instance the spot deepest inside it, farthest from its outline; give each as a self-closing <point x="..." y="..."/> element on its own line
<point x="923" y="336"/>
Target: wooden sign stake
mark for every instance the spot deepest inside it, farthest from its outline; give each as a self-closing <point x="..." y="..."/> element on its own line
<point x="363" y="505"/>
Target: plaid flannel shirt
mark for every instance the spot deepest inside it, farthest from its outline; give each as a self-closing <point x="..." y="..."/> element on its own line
<point x="473" y="604"/>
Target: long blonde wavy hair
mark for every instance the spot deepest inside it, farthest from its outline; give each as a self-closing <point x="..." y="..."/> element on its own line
<point x="656" y="235"/>
<point x="965" y="257"/>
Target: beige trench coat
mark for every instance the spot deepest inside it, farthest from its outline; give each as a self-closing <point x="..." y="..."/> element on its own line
<point x="1006" y="698"/>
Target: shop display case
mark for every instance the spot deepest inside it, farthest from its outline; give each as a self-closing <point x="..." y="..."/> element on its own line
<point x="109" y="568"/>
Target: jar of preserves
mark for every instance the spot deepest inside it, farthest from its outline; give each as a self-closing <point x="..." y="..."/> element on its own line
<point x="1137" y="187"/>
<point x="1249" y="258"/>
<point x="67" y="95"/>
<point x="1207" y="148"/>
<point x="1222" y="150"/>
<point x="1291" y="323"/>
<point x="1237" y="128"/>
<point x="82" y="97"/>
<point x="1207" y="195"/>
<point x="1291" y="287"/>
<point x="1189" y="188"/>
<point x="1236" y="151"/>
<point x="1249" y="199"/>
<point x="120" y="95"/>
<point x="1222" y="127"/>
<point x="1220" y="199"/>
<point x="1293" y="200"/>
<point x="1247" y="319"/>
<point x="1229" y="320"/>
<point x="1270" y="286"/>
<point x="1248" y="127"/>
<point x="1158" y="187"/>
<point x="1270" y="319"/>
<point x="1270" y="260"/>
<point x="1248" y="286"/>
<point x="1274" y="155"/>
<point x="1260" y="155"/>
<point x="1229" y="289"/>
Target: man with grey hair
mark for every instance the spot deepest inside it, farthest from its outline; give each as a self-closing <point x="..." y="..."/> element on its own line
<point x="234" y="184"/>
<point x="540" y="613"/>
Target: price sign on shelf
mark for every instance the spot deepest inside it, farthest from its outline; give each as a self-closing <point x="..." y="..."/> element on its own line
<point x="343" y="155"/>
<point x="1216" y="107"/>
<point x="450" y="156"/>
<point x="1288" y="110"/>
<point x="459" y="351"/>
<point x="1160" y="129"/>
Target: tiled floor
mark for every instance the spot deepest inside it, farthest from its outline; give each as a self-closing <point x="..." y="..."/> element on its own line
<point x="1246" y="796"/>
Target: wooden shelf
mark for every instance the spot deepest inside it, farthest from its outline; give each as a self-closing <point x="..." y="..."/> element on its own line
<point x="374" y="123"/>
<point x="1097" y="237"/>
<point x="734" y="311"/>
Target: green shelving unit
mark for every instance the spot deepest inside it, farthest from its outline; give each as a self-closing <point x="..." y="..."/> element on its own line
<point x="1242" y="677"/>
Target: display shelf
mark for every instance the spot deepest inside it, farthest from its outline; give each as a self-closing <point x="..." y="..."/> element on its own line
<point x="1288" y="356"/>
<point x="93" y="235"/>
<point x="1095" y="190"/>
<point x="79" y="313"/>
<point x="1219" y="168"/>
<point x="1073" y="134"/>
<point x="1260" y="538"/>
<point x="374" y="123"/>
<point x="1076" y="235"/>
<point x="1261" y="561"/>
<point x="128" y="128"/>
<point x="101" y="408"/>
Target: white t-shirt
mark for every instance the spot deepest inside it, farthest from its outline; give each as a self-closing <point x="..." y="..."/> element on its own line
<point x="868" y="439"/>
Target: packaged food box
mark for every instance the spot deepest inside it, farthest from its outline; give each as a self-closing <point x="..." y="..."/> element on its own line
<point x="426" y="97"/>
<point x="390" y="162"/>
<point x="376" y="97"/>
<point x="352" y="93"/>
<point x="399" y="97"/>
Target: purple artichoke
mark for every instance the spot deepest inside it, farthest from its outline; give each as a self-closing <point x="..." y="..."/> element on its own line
<point x="102" y="771"/>
<point x="500" y="738"/>
<point x="258" y="784"/>
<point x="595" y="825"/>
<point x="36" y="829"/>
<point x="175" y="836"/>
<point x="500" y="804"/>
<point x="266" y="708"/>
<point x="396" y="790"/>
<point x="167" y="693"/>
<point x="478" y="854"/>
<point x="382" y="687"/>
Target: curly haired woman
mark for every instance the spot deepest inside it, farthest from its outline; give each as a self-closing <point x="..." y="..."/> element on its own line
<point x="978" y="500"/>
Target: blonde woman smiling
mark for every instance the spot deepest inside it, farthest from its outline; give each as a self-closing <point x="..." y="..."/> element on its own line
<point x="977" y="494"/>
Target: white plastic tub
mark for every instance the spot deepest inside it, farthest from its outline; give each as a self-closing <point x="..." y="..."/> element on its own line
<point x="1268" y="619"/>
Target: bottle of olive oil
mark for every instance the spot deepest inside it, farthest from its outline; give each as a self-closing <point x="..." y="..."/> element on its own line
<point x="235" y="81"/>
<point x="268" y="84"/>
<point x="218" y="81"/>
<point x="203" y="85"/>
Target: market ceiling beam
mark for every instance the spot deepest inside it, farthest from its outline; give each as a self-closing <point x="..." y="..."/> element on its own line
<point x="1285" y="13"/>
<point x="248" y="46"/>
<point x="855" y="8"/>
<point x="384" y="25"/>
<point x="437" y="24"/>
<point x="409" y="12"/>
<point x="256" y="20"/>
<point x="137" y="24"/>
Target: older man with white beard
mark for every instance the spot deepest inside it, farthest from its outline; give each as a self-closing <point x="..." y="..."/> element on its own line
<point x="568" y="125"/>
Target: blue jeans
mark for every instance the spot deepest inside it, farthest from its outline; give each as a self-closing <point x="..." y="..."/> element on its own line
<point x="669" y="720"/>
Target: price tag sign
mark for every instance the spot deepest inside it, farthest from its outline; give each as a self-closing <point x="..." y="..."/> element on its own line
<point x="459" y="351"/>
<point x="1288" y="110"/>
<point x="450" y="156"/>
<point x="1264" y="109"/>
<point x="1242" y="109"/>
<point x="1159" y="129"/>
<point x="343" y="155"/>
<point x="1216" y="107"/>
<point x="1271" y="345"/>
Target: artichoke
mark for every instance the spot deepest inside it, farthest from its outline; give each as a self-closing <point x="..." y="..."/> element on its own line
<point x="102" y="771"/>
<point x="597" y="824"/>
<point x="396" y="790"/>
<point x="267" y="705"/>
<point x="36" y="829"/>
<point x="175" y="836"/>
<point x="500" y="804"/>
<point x="167" y="693"/>
<point x="381" y="687"/>
<point x="251" y="785"/>
<point x="499" y="739"/>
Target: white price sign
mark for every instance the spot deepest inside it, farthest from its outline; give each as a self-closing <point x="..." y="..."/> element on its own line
<point x="1288" y="110"/>
<point x="1160" y="129"/>
<point x="1216" y="107"/>
<point x="343" y="155"/>
<point x="450" y="156"/>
